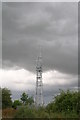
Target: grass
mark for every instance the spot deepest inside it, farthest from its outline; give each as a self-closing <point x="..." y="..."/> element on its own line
<point x="8" y="113"/>
<point x="27" y="113"/>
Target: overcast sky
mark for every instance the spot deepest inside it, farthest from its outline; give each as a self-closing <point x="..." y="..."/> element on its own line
<point x="25" y="27"/>
<point x="40" y="0"/>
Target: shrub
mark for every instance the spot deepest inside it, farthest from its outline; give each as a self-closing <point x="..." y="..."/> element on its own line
<point x="65" y="102"/>
<point x="25" y="112"/>
<point x="16" y="103"/>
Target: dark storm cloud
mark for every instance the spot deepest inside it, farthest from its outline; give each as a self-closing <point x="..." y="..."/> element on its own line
<point x="52" y="25"/>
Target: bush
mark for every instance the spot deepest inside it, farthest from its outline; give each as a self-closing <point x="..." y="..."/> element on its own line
<point x="64" y="105"/>
<point x="65" y="102"/>
<point x="25" y="112"/>
<point x="42" y="113"/>
<point x="16" y="103"/>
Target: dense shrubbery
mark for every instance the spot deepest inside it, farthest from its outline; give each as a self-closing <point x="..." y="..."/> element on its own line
<point x="65" y="102"/>
<point x="25" y="112"/>
<point x="16" y="103"/>
<point x="65" y="105"/>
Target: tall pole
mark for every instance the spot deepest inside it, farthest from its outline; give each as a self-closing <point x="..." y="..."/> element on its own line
<point x="39" y="83"/>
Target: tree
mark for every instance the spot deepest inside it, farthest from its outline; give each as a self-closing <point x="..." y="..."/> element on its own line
<point x="24" y="97"/>
<point x="6" y="98"/>
<point x="30" y="100"/>
<point x="65" y="102"/>
<point x="16" y="103"/>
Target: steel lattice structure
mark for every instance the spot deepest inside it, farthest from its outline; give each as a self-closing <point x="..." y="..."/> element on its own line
<point x="39" y="83"/>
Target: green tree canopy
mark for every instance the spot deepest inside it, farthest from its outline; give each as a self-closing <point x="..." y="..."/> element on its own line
<point x="24" y="97"/>
<point x="16" y="103"/>
<point x="6" y="98"/>
<point x="65" y="102"/>
<point x="30" y="100"/>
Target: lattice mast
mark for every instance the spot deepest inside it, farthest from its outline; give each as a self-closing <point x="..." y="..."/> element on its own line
<point x="39" y="83"/>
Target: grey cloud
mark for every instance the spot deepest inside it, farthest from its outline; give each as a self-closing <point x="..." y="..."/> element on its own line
<point x="0" y="33"/>
<point x="51" y="25"/>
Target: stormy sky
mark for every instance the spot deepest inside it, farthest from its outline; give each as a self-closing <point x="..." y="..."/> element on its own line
<point x="25" y="27"/>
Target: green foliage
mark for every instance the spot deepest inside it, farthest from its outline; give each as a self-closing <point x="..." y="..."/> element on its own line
<point x="65" y="105"/>
<point x="6" y="98"/>
<point x="25" y="112"/>
<point x="30" y="101"/>
<point x="42" y="113"/>
<point x="66" y="102"/>
<point x="26" y="99"/>
<point x="16" y="103"/>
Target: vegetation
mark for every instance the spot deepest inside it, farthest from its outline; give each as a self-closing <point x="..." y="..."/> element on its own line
<point x="26" y="99"/>
<point x="8" y="113"/>
<point x="16" y="103"/>
<point x="0" y="98"/>
<point x="65" y="102"/>
<point x="6" y="98"/>
<point x="65" y="105"/>
<point x="25" y="112"/>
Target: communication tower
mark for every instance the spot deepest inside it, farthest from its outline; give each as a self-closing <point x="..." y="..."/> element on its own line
<point x="39" y="83"/>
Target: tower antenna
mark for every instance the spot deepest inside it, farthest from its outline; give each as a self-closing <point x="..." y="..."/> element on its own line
<point x="39" y="83"/>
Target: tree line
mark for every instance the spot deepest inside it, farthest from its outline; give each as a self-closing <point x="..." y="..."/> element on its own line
<point x="66" y="104"/>
<point x="8" y="103"/>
